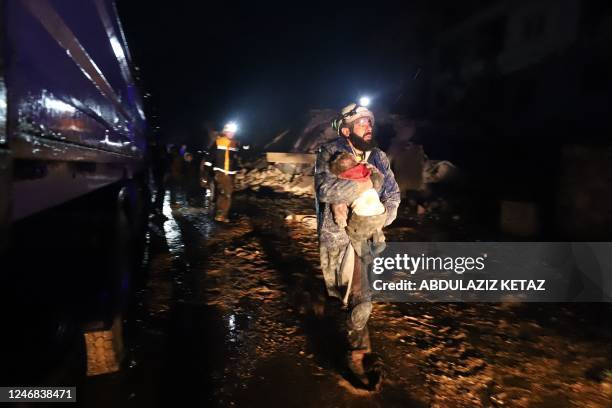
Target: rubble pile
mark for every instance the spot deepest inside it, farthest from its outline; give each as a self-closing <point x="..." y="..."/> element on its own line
<point x="314" y="128"/>
<point x="435" y="171"/>
<point x="275" y="179"/>
<point x="413" y="169"/>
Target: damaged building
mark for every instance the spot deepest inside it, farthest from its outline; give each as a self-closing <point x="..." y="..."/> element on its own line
<point x="494" y="98"/>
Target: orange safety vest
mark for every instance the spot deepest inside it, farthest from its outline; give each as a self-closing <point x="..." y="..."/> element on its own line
<point x="226" y="150"/>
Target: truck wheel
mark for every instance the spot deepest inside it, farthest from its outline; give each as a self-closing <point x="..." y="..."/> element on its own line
<point x="104" y="349"/>
<point x="126" y="232"/>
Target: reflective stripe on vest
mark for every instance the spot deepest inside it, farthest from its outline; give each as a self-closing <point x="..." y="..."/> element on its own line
<point x="225" y="143"/>
<point x="224" y="171"/>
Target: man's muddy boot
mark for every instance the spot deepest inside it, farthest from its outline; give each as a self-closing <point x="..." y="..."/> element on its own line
<point x="367" y="367"/>
<point x="359" y="343"/>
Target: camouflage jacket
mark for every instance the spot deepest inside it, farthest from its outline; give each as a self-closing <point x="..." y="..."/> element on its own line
<point x="330" y="189"/>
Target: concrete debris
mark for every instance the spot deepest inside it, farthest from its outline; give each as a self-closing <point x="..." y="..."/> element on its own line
<point x="435" y="171"/>
<point x="273" y="178"/>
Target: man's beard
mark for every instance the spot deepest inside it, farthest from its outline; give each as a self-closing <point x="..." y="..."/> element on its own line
<point x="361" y="144"/>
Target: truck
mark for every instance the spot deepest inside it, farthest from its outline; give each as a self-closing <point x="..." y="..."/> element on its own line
<point x="73" y="181"/>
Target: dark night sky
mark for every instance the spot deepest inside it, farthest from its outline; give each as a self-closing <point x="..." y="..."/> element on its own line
<point x="265" y="65"/>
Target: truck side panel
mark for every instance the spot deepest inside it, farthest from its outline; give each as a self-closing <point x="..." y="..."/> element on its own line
<point x="75" y="116"/>
<point x="5" y="158"/>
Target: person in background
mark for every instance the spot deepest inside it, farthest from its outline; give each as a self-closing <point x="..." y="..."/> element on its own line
<point x="159" y="168"/>
<point x="225" y="164"/>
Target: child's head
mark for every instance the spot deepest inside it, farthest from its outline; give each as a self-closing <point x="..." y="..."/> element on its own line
<point x="342" y="163"/>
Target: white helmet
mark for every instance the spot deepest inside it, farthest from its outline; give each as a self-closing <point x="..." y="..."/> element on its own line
<point x="351" y="113"/>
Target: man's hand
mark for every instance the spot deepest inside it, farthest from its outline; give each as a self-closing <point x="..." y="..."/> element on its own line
<point x="377" y="179"/>
<point x="391" y="213"/>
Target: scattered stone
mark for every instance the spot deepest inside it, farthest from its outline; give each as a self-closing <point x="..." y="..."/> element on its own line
<point x="272" y="177"/>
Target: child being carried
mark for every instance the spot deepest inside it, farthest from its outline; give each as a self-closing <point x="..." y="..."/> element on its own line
<point x="368" y="214"/>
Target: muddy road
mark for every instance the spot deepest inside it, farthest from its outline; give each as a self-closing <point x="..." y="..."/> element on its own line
<point x="236" y="315"/>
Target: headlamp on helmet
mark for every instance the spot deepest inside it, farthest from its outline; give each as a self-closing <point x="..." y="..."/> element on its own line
<point x="364" y="101"/>
<point x="350" y="114"/>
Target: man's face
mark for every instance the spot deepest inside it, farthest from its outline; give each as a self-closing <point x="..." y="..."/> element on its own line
<point x="361" y="135"/>
<point x="363" y="128"/>
<point x="229" y="134"/>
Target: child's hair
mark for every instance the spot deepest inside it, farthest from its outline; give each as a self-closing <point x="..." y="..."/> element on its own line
<point x="342" y="163"/>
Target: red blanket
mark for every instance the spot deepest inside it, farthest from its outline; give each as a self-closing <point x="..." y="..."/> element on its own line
<point x="358" y="173"/>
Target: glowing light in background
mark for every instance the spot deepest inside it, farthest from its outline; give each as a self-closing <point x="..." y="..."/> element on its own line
<point x="364" y="101"/>
<point x="231" y="127"/>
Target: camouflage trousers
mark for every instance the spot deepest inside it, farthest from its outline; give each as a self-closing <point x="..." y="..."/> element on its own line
<point x="345" y="277"/>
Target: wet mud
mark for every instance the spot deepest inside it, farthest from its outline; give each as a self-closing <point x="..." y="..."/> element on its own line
<point x="236" y="315"/>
